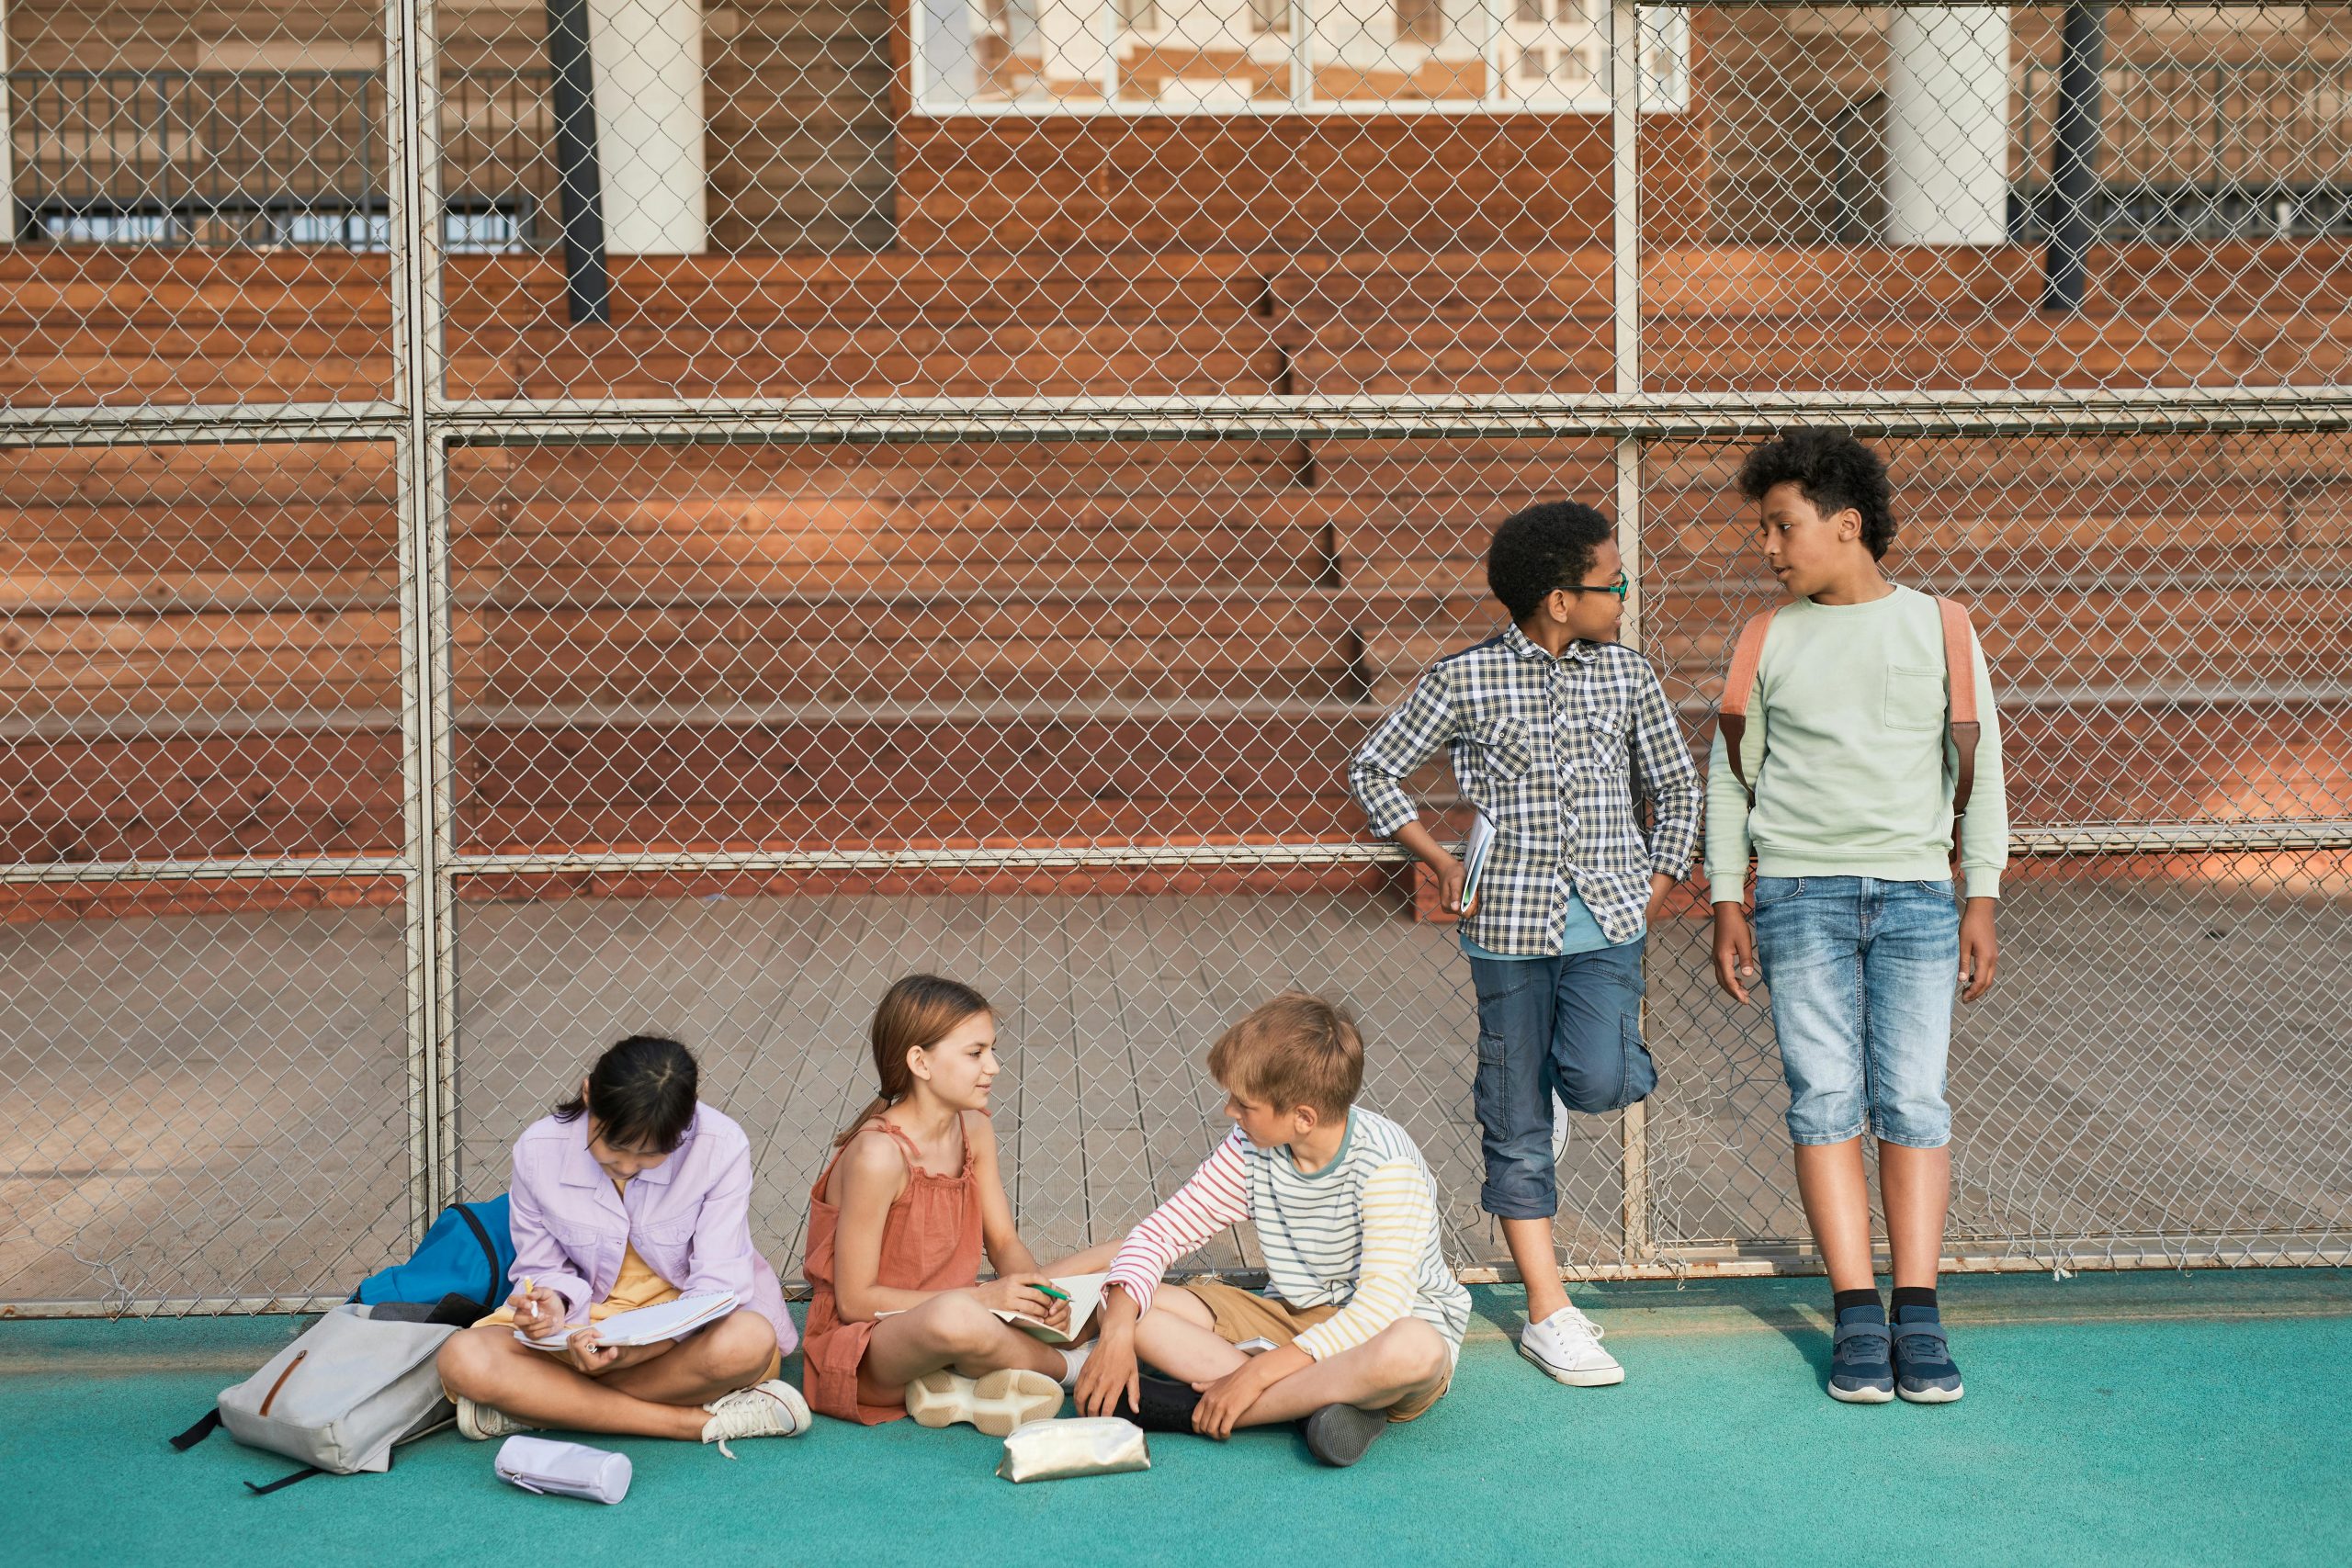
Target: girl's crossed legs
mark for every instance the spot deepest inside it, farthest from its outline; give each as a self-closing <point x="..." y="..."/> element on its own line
<point x="661" y="1396"/>
<point x="955" y="1333"/>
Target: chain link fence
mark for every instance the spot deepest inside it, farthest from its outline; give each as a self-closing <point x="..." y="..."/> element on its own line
<point x="530" y="524"/>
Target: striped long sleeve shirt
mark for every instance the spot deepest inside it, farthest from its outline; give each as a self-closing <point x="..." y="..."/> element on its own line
<point x="1359" y="1233"/>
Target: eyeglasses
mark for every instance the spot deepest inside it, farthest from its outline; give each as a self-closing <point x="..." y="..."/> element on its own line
<point x="1620" y="588"/>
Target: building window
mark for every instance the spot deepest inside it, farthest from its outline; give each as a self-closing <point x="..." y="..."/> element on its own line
<point x="1420" y="21"/>
<point x="1209" y="57"/>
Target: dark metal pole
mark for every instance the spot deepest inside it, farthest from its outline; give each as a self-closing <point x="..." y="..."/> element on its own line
<point x="2074" y="156"/>
<point x="587" y="285"/>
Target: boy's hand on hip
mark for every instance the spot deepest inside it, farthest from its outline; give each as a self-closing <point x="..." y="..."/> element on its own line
<point x="1980" y="950"/>
<point x="1442" y="863"/>
<point x="1735" y="952"/>
<point x="1450" y="878"/>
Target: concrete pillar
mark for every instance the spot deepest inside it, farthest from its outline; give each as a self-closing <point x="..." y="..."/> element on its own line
<point x="1948" y="126"/>
<point x="647" y="56"/>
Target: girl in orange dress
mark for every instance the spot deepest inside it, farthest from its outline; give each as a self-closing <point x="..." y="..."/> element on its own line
<point x="899" y="1323"/>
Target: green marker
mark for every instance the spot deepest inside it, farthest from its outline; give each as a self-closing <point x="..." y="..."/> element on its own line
<point x="1049" y="1291"/>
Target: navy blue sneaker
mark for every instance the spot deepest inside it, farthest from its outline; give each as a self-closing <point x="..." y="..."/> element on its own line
<point x="1860" y="1368"/>
<point x="1923" y="1367"/>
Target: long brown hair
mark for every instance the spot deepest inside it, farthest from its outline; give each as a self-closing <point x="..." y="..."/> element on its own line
<point x="916" y="1013"/>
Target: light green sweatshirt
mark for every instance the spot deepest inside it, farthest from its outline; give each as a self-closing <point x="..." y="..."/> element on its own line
<point x="1852" y="765"/>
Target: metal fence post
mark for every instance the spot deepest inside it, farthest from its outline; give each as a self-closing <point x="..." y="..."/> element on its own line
<point x="415" y="281"/>
<point x="1625" y="195"/>
<point x="2074" y="155"/>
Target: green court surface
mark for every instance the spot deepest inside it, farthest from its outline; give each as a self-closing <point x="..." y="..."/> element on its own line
<point x="2196" y="1417"/>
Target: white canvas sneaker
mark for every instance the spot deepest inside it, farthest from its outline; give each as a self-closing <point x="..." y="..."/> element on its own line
<point x="770" y="1409"/>
<point x="1567" y="1347"/>
<point x="481" y="1423"/>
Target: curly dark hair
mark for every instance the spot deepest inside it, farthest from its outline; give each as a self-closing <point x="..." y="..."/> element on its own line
<point x="1834" y="470"/>
<point x="1541" y="548"/>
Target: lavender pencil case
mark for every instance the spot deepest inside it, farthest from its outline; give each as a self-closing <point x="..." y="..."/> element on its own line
<point x="567" y="1469"/>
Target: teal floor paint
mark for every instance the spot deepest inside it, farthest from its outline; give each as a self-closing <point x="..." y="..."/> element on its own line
<point x="2171" y="1419"/>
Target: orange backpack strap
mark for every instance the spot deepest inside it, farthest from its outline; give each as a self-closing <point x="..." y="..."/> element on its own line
<point x="1960" y="684"/>
<point x="1730" y="716"/>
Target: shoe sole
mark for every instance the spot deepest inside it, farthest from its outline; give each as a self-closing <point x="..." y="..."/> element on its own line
<point x="1608" y="1379"/>
<point x="995" y="1403"/>
<point x="1932" y="1395"/>
<point x="1860" y="1395"/>
<point x="1339" y="1434"/>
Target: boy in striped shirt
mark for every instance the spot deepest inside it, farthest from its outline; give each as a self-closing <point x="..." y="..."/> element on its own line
<point x="1365" y="1319"/>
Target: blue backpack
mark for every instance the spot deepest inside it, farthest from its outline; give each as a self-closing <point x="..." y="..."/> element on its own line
<point x="459" y="1268"/>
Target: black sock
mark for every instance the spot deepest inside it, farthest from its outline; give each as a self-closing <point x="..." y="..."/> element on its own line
<point x="1916" y="1296"/>
<point x="1839" y="1300"/>
<point x="1167" y="1404"/>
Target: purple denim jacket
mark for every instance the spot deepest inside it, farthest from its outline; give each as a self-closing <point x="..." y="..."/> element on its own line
<point x="688" y="1217"/>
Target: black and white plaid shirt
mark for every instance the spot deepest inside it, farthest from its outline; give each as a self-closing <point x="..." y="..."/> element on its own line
<point x="1556" y="752"/>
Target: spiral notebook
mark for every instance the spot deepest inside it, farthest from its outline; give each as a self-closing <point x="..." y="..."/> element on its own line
<point x="646" y="1326"/>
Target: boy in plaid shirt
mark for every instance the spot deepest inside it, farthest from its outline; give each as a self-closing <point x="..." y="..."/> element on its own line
<point x="1556" y="731"/>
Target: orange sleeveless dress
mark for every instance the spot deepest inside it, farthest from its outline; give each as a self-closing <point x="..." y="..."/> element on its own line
<point x="931" y="1241"/>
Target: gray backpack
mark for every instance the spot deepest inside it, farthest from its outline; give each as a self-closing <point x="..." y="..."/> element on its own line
<point x="338" y="1398"/>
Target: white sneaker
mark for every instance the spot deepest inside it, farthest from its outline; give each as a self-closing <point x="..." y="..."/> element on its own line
<point x="770" y="1409"/>
<point x="481" y="1423"/>
<point x="1566" y="1345"/>
<point x="996" y="1403"/>
<point x="1074" y="1362"/>
<point x="1559" y="1130"/>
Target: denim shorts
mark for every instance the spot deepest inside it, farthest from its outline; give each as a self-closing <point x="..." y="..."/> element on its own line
<point x="1570" y="1025"/>
<point x="1862" y="974"/>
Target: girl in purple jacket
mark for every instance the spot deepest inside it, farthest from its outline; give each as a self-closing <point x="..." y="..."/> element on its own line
<point x="632" y="1193"/>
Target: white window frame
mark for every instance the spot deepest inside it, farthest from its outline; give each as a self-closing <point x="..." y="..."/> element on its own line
<point x="1665" y="35"/>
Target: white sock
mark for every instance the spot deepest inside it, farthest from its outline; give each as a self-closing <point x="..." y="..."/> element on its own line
<point x="1074" y="1361"/>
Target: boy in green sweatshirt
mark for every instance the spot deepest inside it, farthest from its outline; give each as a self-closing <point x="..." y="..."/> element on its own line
<point x="1849" y="765"/>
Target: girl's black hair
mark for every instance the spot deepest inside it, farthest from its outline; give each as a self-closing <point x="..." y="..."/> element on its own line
<point x="642" y="1092"/>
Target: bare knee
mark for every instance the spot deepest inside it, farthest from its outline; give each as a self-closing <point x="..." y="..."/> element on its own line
<point x="469" y="1362"/>
<point x="739" y="1345"/>
<point x="957" y="1325"/>
<point x="1412" y="1354"/>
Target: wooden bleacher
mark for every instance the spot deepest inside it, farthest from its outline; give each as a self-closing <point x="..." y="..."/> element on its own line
<point x="736" y="646"/>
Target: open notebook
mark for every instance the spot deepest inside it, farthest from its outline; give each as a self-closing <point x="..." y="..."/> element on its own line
<point x="1085" y="1293"/>
<point x="647" y="1325"/>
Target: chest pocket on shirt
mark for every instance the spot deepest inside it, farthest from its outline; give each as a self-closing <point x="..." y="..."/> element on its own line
<point x="1604" y="739"/>
<point x="1505" y="751"/>
<point x="671" y="1233"/>
<point x="1915" y="697"/>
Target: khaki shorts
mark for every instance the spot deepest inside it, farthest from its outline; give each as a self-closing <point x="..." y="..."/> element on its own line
<point x="1242" y="1315"/>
